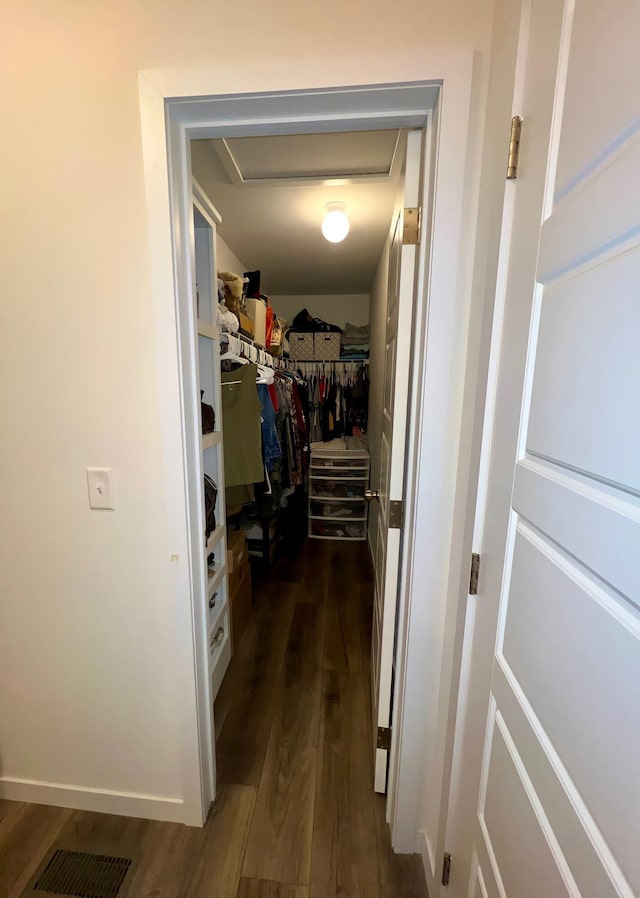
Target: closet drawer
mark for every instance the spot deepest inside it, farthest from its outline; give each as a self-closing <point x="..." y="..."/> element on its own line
<point x="337" y="529"/>
<point x="331" y="474"/>
<point x="354" y="463"/>
<point x="338" y="510"/>
<point x="330" y="489"/>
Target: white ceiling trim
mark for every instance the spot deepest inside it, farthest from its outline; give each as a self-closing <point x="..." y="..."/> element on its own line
<point x="233" y="170"/>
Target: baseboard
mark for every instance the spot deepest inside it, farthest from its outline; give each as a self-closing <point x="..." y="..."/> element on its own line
<point x="423" y="849"/>
<point x="104" y="801"/>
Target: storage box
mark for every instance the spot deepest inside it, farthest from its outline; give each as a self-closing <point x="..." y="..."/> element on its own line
<point x="301" y="346"/>
<point x="241" y="602"/>
<point x="257" y="312"/>
<point x="326" y="347"/>
<point x="237" y="559"/>
<point x="246" y="325"/>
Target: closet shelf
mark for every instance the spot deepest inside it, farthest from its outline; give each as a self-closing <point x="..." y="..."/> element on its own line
<point x="342" y="520"/>
<point x="209" y="440"/>
<point x="213" y="583"/>
<point x="214" y="539"/>
<point x="208" y="330"/>
<point x="215" y="617"/>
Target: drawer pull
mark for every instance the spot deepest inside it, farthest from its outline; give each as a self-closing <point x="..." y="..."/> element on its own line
<point x="217" y="639"/>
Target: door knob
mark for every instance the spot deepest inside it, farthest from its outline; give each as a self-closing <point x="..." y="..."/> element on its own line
<point x="371" y="494"/>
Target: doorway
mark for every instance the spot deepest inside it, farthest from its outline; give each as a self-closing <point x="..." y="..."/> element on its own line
<point x="435" y="421"/>
<point x="293" y="610"/>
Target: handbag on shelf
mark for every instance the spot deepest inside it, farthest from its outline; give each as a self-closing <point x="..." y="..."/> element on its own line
<point x="207" y="414"/>
<point x="210" y="498"/>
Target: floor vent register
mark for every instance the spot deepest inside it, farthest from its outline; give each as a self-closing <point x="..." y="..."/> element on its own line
<point x="80" y="874"/>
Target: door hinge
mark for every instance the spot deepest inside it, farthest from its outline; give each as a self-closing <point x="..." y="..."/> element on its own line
<point x="396" y="513"/>
<point x="384" y="738"/>
<point x="411" y="226"/>
<point x="474" y="575"/>
<point x="446" y="868"/>
<point x="514" y="148"/>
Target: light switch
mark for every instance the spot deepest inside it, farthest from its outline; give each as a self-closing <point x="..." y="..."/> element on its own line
<point x="100" y="483"/>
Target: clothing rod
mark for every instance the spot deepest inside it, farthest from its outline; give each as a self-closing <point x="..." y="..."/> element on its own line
<point x="328" y="361"/>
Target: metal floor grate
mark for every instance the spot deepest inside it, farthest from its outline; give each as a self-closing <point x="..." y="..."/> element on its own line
<point x="83" y="875"/>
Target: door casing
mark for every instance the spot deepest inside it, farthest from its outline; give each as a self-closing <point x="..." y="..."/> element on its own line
<point x="179" y="105"/>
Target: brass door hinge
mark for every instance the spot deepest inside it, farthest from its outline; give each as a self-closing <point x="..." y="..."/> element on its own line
<point x="514" y="148"/>
<point x="384" y="738"/>
<point x="474" y="576"/>
<point x="446" y="869"/>
<point x="396" y="513"/>
<point x="411" y="226"/>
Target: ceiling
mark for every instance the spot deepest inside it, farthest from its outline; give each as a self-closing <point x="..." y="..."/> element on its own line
<point x="272" y="194"/>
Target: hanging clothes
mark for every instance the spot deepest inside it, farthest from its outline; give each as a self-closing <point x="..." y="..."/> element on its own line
<point x="270" y="443"/>
<point x="241" y="414"/>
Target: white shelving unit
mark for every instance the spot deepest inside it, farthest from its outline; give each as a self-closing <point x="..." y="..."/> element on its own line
<point x="337" y="506"/>
<point x="215" y="626"/>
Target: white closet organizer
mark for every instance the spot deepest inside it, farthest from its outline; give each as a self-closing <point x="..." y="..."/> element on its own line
<point x="337" y="481"/>
<point x="215" y="628"/>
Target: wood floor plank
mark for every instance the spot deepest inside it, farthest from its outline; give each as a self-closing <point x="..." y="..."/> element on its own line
<point x="217" y="851"/>
<point x="264" y="888"/>
<point x="187" y="862"/>
<point x="250" y="686"/>
<point x="105" y="833"/>
<point x="281" y="833"/>
<point x="401" y="875"/>
<point x="343" y="645"/>
<point x="344" y="855"/>
<point x="9" y="811"/>
<point x="24" y="841"/>
<point x="163" y="868"/>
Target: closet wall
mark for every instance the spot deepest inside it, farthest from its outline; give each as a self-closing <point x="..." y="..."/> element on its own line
<point x="336" y="308"/>
<point x="377" y="322"/>
<point x="227" y="259"/>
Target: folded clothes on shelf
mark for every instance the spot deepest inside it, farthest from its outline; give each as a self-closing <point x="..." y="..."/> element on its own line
<point x="355" y="335"/>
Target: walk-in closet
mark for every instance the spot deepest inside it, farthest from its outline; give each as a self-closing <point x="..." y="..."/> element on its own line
<point x="294" y="270"/>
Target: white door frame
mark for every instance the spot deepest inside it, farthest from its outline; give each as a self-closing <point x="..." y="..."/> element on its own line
<point x="174" y="107"/>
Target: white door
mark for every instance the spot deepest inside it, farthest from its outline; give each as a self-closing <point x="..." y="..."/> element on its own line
<point x="550" y="789"/>
<point x="400" y="301"/>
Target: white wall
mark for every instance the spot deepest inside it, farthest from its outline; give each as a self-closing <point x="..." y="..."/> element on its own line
<point x="338" y="309"/>
<point x="87" y="637"/>
<point x="227" y="260"/>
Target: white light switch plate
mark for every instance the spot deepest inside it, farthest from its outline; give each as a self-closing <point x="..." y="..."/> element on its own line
<point x="100" y="483"/>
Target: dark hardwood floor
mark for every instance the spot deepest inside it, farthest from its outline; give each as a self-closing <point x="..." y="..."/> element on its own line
<point x="296" y="815"/>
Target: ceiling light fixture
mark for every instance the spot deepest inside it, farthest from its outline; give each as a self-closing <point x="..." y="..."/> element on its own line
<point x="335" y="226"/>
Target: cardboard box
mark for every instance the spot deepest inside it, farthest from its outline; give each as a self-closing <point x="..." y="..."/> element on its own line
<point x="300" y="345"/>
<point x="257" y="312"/>
<point x="246" y="325"/>
<point x="241" y="602"/>
<point x="326" y="347"/>
<point x="237" y="559"/>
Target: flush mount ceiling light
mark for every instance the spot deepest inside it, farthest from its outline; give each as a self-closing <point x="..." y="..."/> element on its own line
<point x="335" y="226"/>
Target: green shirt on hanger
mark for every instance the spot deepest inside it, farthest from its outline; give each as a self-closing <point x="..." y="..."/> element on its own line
<point x="242" y="427"/>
